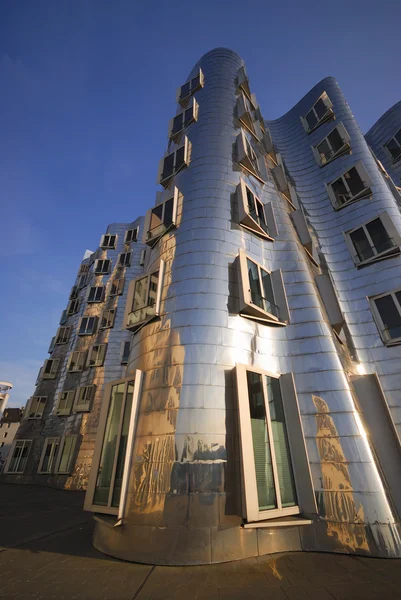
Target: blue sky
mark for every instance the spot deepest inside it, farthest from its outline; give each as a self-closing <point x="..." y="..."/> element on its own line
<point x="87" y="89"/>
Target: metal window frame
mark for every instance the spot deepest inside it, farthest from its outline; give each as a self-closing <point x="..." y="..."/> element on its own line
<point x="55" y="441"/>
<point x="126" y="241"/>
<point x="109" y="322"/>
<point x="66" y="331"/>
<point x="28" y="409"/>
<point x="326" y="117"/>
<point x="102" y="261"/>
<point x="385" y="146"/>
<point x="88" y="317"/>
<point x="388" y="341"/>
<point x="61" y="451"/>
<point x="346" y="147"/>
<point x="130" y="297"/>
<point x="119" y="287"/>
<point x="68" y="404"/>
<point x="365" y="193"/>
<point x="80" y="362"/>
<point x="108" y="246"/>
<point x="102" y="350"/>
<point x="152" y="240"/>
<point x="53" y="370"/>
<point x="391" y="231"/>
<point x="173" y="135"/>
<point x="166" y="180"/>
<point x="192" y="89"/>
<point x="11" y="452"/>
<point x="124" y="263"/>
<point x="246" y="219"/>
<point x="79" y="405"/>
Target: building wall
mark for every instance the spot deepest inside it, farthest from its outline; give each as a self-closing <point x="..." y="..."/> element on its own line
<point x="7" y="435"/>
<point x="380" y="133"/>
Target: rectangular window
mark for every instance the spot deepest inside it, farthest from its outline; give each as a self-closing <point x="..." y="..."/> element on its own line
<point x="83" y="281"/>
<point x="102" y="267"/>
<point x="49" y="453"/>
<point x="36" y="407"/>
<point x="117" y="287"/>
<point x="174" y="162"/>
<point x="190" y="87"/>
<point x="333" y="145"/>
<point x="52" y="344"/>
<point x="18" y="456"/>
<point x="393" y="147"/>
<point x="253" y="213"/>
<point x="87" y="326"/>
<point x="73" y="306"/>
<point x="64" y="403"/>
<point x="83" y="269"/>
<point x="126" y="347"/>
<point x="62" y="335"/>
<point x="76" y="361"/>
<point x="320" y="112"/>
<point x="96" y="294"/>
<point x="124" y="259"/>
<point x="374" y="240"/>
<point x="262" y="294"/>
<point x="96" y="355"/>
<point x="84" y="398"/>
<point x="267" y="463"/>
<point x="142" y="258"/>
<point x="107" y="319"/>
<point x="74" y="292"/>
<point x="161" y="218"/>
<point x="386" y="310"/>
<point x="66" y="453"/>
<point x="108" y="241"/>
<point x="50" y="368"/>
<point x="353" y="185"/>
<point x="144" y="296"/>
<point x="183" y="119"/>
<point x="114" y="445"/>
<point x="247" y="158"/>
<point x="248" y="115"/>
<point x="131" y="235"/>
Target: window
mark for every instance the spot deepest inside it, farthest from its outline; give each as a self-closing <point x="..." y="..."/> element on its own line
<point x="267" y="461"/>
<point x="108" y="316"/>
<point x="76" y="361"/>
<point x="320" y="112"/>
<point x="247" y="114"/>
<point x="248" y="159"/>
<point x="183" y="119"/>
<point x="50" y="368"/>
<point x="96" y="355"/>
<point x="64" y="317"/>
<point x="374" y="240"/>
<point x="82" y="281"/>
<point x="73" y="306"/>
<point x="190" y="87"/>
<point x="83" y="269"/>
<point x="114" y="445"/>
<point x="62" y="335"/>
<point x="352" y="185"/>
<point x="332" y="146"/>
<point x="48" y="457"/>
<point x="126" y="348"/>
<point x="144" y="296"/>
<point x="131" y="235"/>
<point x="64" y="403"/>
<point x="18" y="457"/>
<point x="74" y="292"/>
<point x="36" y="407"/>
<point x="84" y="398"/>
<point x="102" y="267"/>
<point x="108" y="241"/>
<point x="66" y="454"/>
<point x="142" y="258"/>
<point x="386" y="310"/>
<point x="262" y="294"/>
<point x="331" y="304"/>
<point x="117" y="287"/>
<point x="124" y="259"/>
<point x="160" y="219"/>
<point x="96" y="294"/>
<point x="172" y="163"/>
<point x="393" y="147"/>
<point x="253" y="213"/>
<point x="87" y="326"/>
<point x="52" y="344"/>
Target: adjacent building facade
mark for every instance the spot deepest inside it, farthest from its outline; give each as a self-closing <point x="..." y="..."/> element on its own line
<point x="9" y="423"/>
<point x="260" y="407"/>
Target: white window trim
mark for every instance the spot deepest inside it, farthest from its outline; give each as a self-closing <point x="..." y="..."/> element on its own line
<point x="386" y="339"/>
<point x="130" y="298"/>
<point x="71" y="310"/>
<point x="392" y="233"/>
<point x="108" y="247"/>
<point x="53" y="370"/>
<point x="102" y="353"/>
<point x="192" y="88"/>
<point x="81" y="361"/>
<point x="247" y="308"/>
<point x="142" y="258"/>
<point x="345" y="148"/>
<point x="37" y="415"/>
<point x="166" y="180"/>
<point x="246" y="161"/>
<point x="89" y="498"/>
<point x="94" y="326"/>
<point x="151" y="240"/>
<point x="248" y="221"/>
<point x="365" y="193"/>
<point x="11" y="452"/>
<point x="386" y="149"/>
<point x="84" y="406"/>
<point x="96" y="268"/>
<point x="59" y="412"/>
<point x="126" y="241"/>
<point x="83" y="281"/>
<point x="195" y="111"/>
<point x="328" y="115"/>
<point x="95" y="300"/>
<point x="71" y="461"/>
<point x="110" y="323"/>
<point x="55" y="441"/>
<point x="123" y="362"/>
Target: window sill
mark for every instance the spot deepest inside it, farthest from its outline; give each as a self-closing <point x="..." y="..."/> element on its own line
<point x="253" y="173"/>
<point x="265" y="320"/>
<point x="346" y="149"/>
<point x="364" y="195"/>
<point x="391" y="253"/>
<point x="278" y="522"/>
<point x="152" y="241"/>
<point x="394" y="342"/>
<point x="137" y="326"/>
<point x="259" y="232"/>
<point x="329" y="115"/>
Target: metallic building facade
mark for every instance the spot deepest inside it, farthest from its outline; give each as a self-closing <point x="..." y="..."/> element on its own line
<point x="379" y="136"/>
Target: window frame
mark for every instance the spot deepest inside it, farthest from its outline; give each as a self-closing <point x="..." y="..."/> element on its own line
<point x="250" y="310"/>
<point x="79" y="405"/>
<point x="81" y="361"/>
<point x="245" y="106"/>
<point x="83" y="281"/>
<point x="365" y="193"/>
<point x="101" y="352"/>
<point x="72" y="454"/>
<point x="68" y="403"/>
<point x="182" y="100"/>
<point x="174" y="135"/>
<point x="248" y="221"/>
<point x="164" y="181"/>
<point x="95" y="324"/>
<point x="102" y="261"/>
<point x="124" y="263"/>
<point x="11" y="453"/>
<point x="329" y="114"/>
<point x="53" y="371"/>
<point x="109" y="322"/>
<point x="391" y="231"/>
<point x="89" y="505"/>
<point x="37" y="415"/>
<point x="123" y="344"/>
<point x="151" y="240"/>
<point x="119" y="288"/>
<point x="133" y="239"/>
<point x="55" y="442"/>
<point x="345" y="148"/>
<point x="64" y="334"/>
<point x="73" y="306"/>
<point x="247" y="161"/>
<point x="388" y="341"/>
<point x="130" y="297"/>
<point x="108" y="246"/>
<point x="388" y="151"/>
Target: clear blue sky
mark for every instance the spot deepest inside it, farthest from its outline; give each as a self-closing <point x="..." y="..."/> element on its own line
<point x="87" y="89"/>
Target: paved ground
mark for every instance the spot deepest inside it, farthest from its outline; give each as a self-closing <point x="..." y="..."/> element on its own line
<point x="46" y="553"/>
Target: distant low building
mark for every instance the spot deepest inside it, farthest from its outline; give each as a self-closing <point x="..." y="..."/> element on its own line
<point x="9" y="424"/>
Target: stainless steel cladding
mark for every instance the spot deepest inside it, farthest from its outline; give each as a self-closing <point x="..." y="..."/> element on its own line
<point x="261" y="356"/>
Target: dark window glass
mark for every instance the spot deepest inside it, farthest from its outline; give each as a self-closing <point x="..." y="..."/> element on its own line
<point x="389" y="315"/>
<point x="168" y="212"/>
<point x="398" y="136"/>
<point x="325" y="151"/>
<point x="179" y="158"/>
<point x="354" y="181"/>
<point x="268" y="298"/>
<point x="177" y="123"/>
<point x="156" y="219"/>
<point x="379" y="235"/>
<point x="122" y="446"/>
<point x="126" y="352"/>
<point x="185" y="89"/>
<point x="195" y="83"/>
<point x="188" y="116"/>
<point x="361" y="244"/>
<point x="168" y="166"/>
<point x="394" y="148"/>
<point x="311" y="119"/>
<point x="335" y="140"/>
<point x="254" y="283"/>
<point x="340" y="191"/>
<point x="320" y="109"/>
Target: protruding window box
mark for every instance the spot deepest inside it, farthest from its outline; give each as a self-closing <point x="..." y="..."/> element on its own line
<point x="76" y="361"/>
<point x="84" y="398"/>
<point x="243" y="82"/>
<point x="97" y="355"/>
<point x="36" y="407"/>
<point x="117" y="287"/>
<point x="125" y="351"/>
<point x="96" y="294"/>
<point x="144" y="299"/>
<point x="354" y="184"/>
<point x="18" y="456"/>
<point x="190" y="87"/>
<point x="249" y="160"/>
<point x="102" y="266"/>
<point x="65" y="402"/>
<point x="246" y="113"/>
<point x="160" y="219"/>
<point x="73" y="307"/>
<point x="183" y="119"/>
<point x="254" y="215"/>
<point x="335" y="144"/>
<point x="268" y="142"/>
<point x="302" y="227"/>
<point x="172" y="163"/>
<point x="52" y="344"/>
<point x="131" y="235"/>
<point x="262" y="293"/>
<point x="50" y="368"/>
<point x="124" y="259"/>
<point x="331" y="304"/>
<point x="386" y="310"/>
<point x="108" y="241"/>
<point x="373" y="241"/>
<point x="62" y="335"/>
<point x="320" y="112"/>
<point x="393" y="147"/>
<point x="87" y="325"/>
<point x="66" y="455"/>
<point x="108" y="317"/>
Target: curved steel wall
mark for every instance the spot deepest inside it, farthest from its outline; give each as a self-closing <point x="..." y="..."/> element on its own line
<point x="184" y="495"/>
<point x="380" y="133"/>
